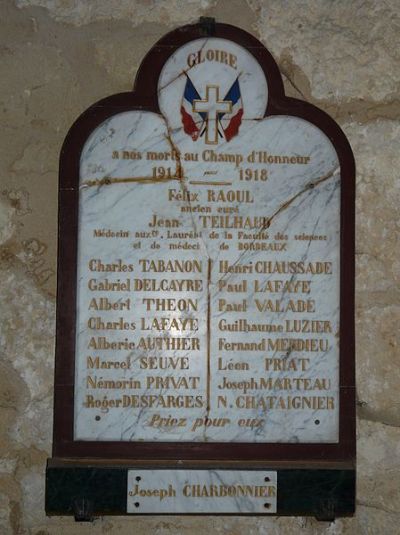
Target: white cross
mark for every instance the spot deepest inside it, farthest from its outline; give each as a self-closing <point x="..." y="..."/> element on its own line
<point x="212" y="106"/>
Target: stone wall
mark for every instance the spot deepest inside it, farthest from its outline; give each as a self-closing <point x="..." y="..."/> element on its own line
<point x="60" y="56"/>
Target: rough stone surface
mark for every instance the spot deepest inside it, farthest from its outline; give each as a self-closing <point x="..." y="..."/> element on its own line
<point x="60" y="56"/>
<point x="342" y="33"/>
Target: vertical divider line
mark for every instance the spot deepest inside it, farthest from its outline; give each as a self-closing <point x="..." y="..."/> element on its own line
<point x="209" y="333"/>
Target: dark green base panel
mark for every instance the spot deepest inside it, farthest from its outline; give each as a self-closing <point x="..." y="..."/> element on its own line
<point x="90" y="491"/>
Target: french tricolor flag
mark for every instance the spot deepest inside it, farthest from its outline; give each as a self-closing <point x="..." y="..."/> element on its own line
<point x="194" y="122"/>
<point x="232" y="122"/>
<point x="191" y="120"/>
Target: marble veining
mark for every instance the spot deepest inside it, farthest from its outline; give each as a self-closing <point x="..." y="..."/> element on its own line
<point x="248" y="351"/>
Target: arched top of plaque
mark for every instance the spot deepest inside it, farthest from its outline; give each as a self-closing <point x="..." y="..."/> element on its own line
<point x="207" y="124"/>
<point x="193" y="57"/>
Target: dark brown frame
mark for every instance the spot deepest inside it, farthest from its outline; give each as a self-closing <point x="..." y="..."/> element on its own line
<point x="144" y="97"/>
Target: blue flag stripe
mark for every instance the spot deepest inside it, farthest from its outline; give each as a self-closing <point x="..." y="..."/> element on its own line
<point x="190" y="94"/>
<point x="234" y="92"/>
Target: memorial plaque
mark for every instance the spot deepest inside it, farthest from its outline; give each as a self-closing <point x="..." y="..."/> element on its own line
<point x="199" y="491"/>
<point x="206" y="281"/>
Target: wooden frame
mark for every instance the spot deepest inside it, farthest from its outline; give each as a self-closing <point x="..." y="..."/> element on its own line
<point x="144" y="97"/>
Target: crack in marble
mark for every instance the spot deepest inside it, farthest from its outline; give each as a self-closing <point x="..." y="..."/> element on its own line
<point x="180" y="172"/>
<point x="311" y="185"/>
<point x="108" y="181"/>
<point x="184" y="71"/>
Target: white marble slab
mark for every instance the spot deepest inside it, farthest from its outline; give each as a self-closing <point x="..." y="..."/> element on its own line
<point x="247" y="348"/>
<point x="201" y="491"/>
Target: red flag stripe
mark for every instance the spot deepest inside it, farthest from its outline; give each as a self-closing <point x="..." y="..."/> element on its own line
<point x="233" y="127"/>
<point x="189" y="125"/>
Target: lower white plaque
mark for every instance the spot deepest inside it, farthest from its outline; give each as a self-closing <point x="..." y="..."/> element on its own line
<point x="201" y="491"/>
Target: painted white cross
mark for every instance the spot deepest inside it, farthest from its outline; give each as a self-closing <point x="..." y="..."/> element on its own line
<point x="212" y="106"/>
